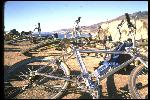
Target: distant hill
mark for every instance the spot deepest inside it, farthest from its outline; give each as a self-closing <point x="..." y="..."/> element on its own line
<point x="140" y="15"/>
<point x="93" y="28"/>
<point x="111" y="25"/>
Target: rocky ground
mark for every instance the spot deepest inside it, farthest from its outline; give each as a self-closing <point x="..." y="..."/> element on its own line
<point x="113" y="87"/>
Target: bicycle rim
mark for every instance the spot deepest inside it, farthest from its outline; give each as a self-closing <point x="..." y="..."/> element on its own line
<point x="138" y="84"/>
<point x="21" y="83"/>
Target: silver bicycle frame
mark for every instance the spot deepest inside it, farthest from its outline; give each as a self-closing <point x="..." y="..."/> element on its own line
<point x="87" y="77"/>
<point x="83" y="67"/>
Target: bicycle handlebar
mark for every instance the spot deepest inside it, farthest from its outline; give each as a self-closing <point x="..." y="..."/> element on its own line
<point x="120" y="23"/>
<point x="128" y="21"/>
<point x="127" y="18"/>
<point x="78" y="20"/>
<point x="76" y="28"/>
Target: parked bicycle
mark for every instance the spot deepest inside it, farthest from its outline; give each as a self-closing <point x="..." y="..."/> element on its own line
<point x="46" y="77"/>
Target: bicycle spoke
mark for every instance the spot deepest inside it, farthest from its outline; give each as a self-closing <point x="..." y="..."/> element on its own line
<point x="144" y="86"/>
<point x="29" y="70"/>
<point x="21" y="77"/>
<point x="22" y="73"/>
<point x="15" y="92"/>
<point x="31" y="67"/>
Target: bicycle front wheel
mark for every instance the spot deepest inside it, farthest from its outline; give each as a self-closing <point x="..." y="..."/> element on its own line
<point x="20" y="82"/>
<point x="138" y="82"/>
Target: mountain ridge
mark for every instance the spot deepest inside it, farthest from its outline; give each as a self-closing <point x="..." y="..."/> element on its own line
<point x="93" y="28"/>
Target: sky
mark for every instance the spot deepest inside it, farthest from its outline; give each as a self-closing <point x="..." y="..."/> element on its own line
<point x="55" y="15"/>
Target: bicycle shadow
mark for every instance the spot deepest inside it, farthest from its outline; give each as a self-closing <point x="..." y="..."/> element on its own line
<point x="123" y="92"/>
<point x="112" y="92"/>
<point x="12" y="49"/>
<point x="31" y="53"/>
<point x="6" y="68"/>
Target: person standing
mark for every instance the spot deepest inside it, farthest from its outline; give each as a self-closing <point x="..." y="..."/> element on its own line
<point x="99" y="32"/>
<point x="56" y="35"/>
<point x="90" y="37"/>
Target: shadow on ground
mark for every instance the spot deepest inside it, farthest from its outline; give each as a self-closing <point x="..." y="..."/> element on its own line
<point x="12" y="50"/>
<point x="112" y="92"/>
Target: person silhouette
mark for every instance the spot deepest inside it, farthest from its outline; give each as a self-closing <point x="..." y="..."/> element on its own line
<point x="56" y="35"/>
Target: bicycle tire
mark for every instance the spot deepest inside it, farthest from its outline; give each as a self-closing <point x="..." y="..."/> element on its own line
<point x="11" y="77"/>
<point x="133" y="87"/>
<point x="39" y="45"/>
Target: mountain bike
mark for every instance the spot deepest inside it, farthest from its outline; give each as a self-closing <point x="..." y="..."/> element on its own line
<point x="46" y="77"/>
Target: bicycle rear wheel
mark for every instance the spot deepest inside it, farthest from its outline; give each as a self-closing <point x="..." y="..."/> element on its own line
<point x="20" y="81"/>
<point x="138" y="82"/>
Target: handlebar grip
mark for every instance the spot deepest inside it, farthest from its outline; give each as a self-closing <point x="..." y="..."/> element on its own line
<point x="79" y="19"/>
<point x="128" y="18"/>
<point x="128" y="21"/>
